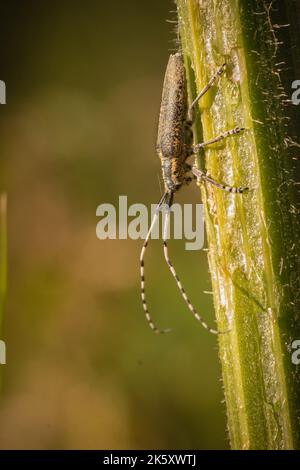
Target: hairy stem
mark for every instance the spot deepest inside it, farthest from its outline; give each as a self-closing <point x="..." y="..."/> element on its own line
<point x="253" y="238"/>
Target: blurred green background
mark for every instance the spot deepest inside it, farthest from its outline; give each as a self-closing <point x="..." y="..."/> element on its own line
<point x="83" y="370"/>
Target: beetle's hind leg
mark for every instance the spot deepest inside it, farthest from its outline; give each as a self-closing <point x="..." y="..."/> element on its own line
<point x="216" y="75"/>
<point x="191" y="116"/>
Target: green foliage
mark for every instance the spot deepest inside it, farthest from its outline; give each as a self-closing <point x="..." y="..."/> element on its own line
<point x="253" y="238"/>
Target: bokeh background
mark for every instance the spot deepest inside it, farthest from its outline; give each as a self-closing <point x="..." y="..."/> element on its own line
<point x="83" y="370"/>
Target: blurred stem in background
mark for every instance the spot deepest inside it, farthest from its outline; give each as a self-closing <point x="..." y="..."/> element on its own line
<point x="3" y="263"/>
<point x="253" y="238"/>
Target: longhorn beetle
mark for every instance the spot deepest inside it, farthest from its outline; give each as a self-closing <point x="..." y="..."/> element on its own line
<point x="174" y="146"/>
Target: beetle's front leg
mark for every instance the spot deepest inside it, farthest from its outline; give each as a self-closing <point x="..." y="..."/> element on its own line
<point x="201" y="176"/>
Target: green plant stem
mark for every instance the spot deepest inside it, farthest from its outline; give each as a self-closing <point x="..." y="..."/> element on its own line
<point x="253" y="238"/>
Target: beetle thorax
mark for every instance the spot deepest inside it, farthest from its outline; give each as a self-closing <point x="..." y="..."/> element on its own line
<point x="174" y="174"/>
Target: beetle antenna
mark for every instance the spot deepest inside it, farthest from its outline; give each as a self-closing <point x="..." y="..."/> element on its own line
<point x="172" y="269"/>
<point x="142" y="269"/>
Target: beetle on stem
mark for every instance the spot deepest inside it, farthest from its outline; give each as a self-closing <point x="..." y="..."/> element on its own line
<point x="174" y="147"/>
